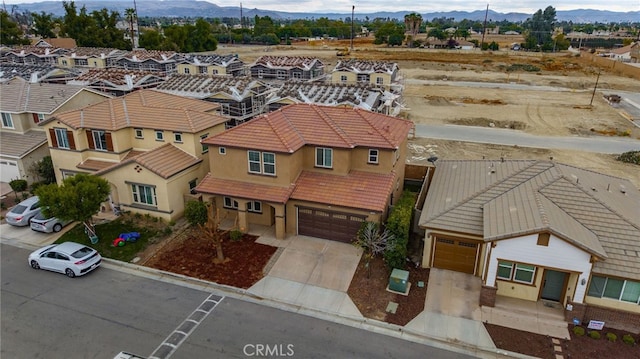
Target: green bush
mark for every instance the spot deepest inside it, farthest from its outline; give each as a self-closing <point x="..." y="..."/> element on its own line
<point x="35" y="185"/>
<point x="612" y="337"/>
<point x="399" y="224"/>
<point x="235" y="235"/>
<point x="630" y="157"/>
<point x="628" y="339"/>
<point x="18" y="185"/>
<point x="579" y="331"/>
<point x="196" y="212"/>
<point x="523" y="67"/>
<point x="594" y="334"/>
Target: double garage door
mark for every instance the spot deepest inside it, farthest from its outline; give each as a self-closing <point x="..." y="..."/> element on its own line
<point x="454" y="254"/>
<point x="321" y="223"/>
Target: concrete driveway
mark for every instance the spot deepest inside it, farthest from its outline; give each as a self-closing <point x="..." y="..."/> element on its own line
<point x="26" y="238"/>
<point x="311" y="272"/>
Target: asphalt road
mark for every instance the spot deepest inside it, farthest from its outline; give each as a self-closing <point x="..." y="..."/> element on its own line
<point x="500" y="136"/>
<point x="47" y="315"/>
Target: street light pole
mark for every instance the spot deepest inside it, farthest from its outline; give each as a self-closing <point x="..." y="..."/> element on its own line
<point x="353" y="8"/>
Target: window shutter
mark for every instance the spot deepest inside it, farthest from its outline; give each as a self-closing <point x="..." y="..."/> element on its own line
<point x="72" y="142"/>
<point x="36" y="119"/>
<point x="54" y="140"/>
<point x="90" y="140"/>
<point x="109" y="141"/>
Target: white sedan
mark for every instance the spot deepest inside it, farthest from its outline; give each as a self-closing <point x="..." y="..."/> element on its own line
<point x="70" y="258"/>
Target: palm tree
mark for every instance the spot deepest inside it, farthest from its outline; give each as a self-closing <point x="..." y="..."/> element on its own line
<point x="130" y="15"/>
<point x="412" y="23"/>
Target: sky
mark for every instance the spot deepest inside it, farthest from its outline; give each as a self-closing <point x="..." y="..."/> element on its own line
<point x="369" y="6"/>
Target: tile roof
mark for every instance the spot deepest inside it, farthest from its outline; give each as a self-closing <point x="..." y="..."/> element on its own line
<point x="19" y="145"/>
<point x="9" y="71"/>
<point x="292" y="127"/>
<point x="498" y="200"/>
<point x="366" y="67"/>
<point x="35" y="50"/>
<point x="362" y="190"/>
<point x="247" y="190"/>
<point x="62" y="42"/>
<point x="115" y="76"/>
<point x="288" y="62"/>
<point x="157" y="55"/>
<point x="85" y="52"/>
<point x="165" y="161"/>
<point x="19" y="96"/>
<point x="203" y="86"/>
<point x="145" y="109"/>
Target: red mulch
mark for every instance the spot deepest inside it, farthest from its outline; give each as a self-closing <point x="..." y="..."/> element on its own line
<point x="193" y="257"/>
<point x="370" y="296"/>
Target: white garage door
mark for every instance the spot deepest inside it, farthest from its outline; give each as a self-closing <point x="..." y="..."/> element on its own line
<point x="9" y="171"/>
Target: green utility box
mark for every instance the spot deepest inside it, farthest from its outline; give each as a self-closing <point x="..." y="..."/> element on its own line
<point x="399" y="280"/>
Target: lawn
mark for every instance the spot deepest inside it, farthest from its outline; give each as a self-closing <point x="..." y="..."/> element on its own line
<point x="109" y="231"/>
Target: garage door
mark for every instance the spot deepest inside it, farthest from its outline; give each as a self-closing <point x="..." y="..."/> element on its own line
<point x="337" y="226"/>
<point x="455" y="255"/>
<point x="9" y="171"/>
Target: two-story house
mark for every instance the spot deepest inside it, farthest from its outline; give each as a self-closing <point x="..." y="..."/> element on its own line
<point x="23" y="105"/>
<point x="117" y="82"/>
<point x="146" y="144"/>
<point x="89" y="57"/>
<point x="377" y="73"/>
<point x="146" y="60"/>
<point x="193" y="64"/>
<point x="31" y="55"/>
<point x="282" y="68"/>
<point x="310" y="170"/>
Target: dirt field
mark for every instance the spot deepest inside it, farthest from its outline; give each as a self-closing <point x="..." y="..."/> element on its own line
<point x="433" y="95"/>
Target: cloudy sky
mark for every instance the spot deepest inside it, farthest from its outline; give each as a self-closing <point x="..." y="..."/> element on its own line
<point x="369" y="6"/>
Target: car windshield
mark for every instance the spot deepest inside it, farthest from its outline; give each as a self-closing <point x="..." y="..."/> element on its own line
<point x="82" y="252"/>
<point x="40" y="216"/>
<point x="18" y="209"/>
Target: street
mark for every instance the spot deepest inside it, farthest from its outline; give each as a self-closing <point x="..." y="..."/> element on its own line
<point x="48" y="315"/>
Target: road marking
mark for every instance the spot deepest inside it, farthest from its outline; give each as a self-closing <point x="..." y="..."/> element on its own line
<point x="182" y="332"/>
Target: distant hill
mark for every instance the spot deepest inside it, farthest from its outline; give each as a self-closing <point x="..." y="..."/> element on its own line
<point x="193" y="8"/>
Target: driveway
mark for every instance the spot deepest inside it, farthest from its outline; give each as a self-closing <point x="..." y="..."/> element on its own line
<point x="311" y="272"/>
<point x="24" y="237"/>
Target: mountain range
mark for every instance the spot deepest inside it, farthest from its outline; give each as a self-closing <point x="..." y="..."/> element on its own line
<point x="194" y="8"/>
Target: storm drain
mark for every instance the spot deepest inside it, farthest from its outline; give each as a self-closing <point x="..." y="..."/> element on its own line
<point x="182" y="332"/>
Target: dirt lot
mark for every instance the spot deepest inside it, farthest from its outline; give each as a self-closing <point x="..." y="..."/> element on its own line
<point x="431" y="97"/>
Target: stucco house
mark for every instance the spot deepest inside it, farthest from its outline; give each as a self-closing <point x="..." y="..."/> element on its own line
<point x="193" y="64"/>
<point x="354" y="71"/>
<point x="117" y="82"/>
<point x="538" y="230"/>
<point x="30" y="55"/>
<point x="23" y="105"/>
<point x="282" y="68"/>
<point x="146" y="60"/>
<point x="147" y="144"/>
<point x="88" y="57"/>
<point x="310" y="170"/>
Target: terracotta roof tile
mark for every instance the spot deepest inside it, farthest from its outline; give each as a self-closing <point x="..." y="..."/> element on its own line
<point x="362" y="190"/>
<point x="245" y="190"/>
<point x="287" y="62"/>
<point x="145" y="109"/>
<point x="95" y="165"/>
<point x="291" y="127"/>
<point x="19" y="145"/>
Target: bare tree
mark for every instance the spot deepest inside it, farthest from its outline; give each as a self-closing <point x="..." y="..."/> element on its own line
<point x="211" y="231"/>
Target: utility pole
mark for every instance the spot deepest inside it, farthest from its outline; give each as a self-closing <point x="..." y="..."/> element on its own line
<point x="594" y="89"/>
<point x="353" y="8"/>
<point x="484" y="27"/>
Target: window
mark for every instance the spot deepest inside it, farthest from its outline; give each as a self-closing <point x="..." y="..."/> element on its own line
<point x="177" y="136"/>
<point x="205" y="147"/>
<point x="192" y="186"/>
<point x="324" y="157"/>
<point x="262" y="162"/>
<point x="62" y="138"/>
<point x="99" y="140"/>
<point x="230" y="203"/>
<point x="139" y="133"/>
<point x="159" y="135"/>
<point x="65" y="63"/>
<point x="186" y="70"/>
<point x="214" y="71"/>
<point x="144" y="194"/>
<point x="613" y="288"/>
<point x="202" y="69"/>
<point x="260" y="73"/>
<point x="343" y="78"/>
<point x="373" y="156"/>
<point x="222" y="150"/>
<point x="363" y="78"/>
<point x="254" y="206"/>
<point x="379" y="81"/>
<point x="517" y="272"/>
<point x="7" y="122"/>
<point x="38" y="117"/>
<point x="281" y="74"/>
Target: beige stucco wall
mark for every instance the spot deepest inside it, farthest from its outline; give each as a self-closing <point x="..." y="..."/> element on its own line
<point x="26" y="164"/>
<point x="336" y="77"/>
<point x="22" y="122"/>
<point x="612" y="303"/>
<point x="81" y="99"/>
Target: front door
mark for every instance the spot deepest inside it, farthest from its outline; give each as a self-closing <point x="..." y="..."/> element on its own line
<point x="553" y="285"/>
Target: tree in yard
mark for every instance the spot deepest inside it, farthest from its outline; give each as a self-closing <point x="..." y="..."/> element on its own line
<point x="196" y="212"/>
<point x="372" y="241"/>
<point x="18" y="185"/>
<point x="539" y="28"/>
<point x="211" y="231"/>
<point x="412" y="22"/>
<point x="78" y="199"/>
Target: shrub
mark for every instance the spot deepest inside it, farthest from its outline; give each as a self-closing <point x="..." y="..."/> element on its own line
<point x="399" y="224"/>
<point x="167" y="231"/>
<point x="628" y="339"/>
<point x="196" y="212"/>
<point x="35" y="185"/>
<point x="18" y="185"/>
<point x="235" y="235"/>
<point x="612" y="337"/>
<point x="630" y="157"/>
<point x="579" y="331"/>
<point x="594" y="334"/>
<point x="172" y="223"/>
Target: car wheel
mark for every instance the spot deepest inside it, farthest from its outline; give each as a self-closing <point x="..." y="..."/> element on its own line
<point x="57" y="227"/>
<point x="69" y="273"/>
<point x="35" y="265"/>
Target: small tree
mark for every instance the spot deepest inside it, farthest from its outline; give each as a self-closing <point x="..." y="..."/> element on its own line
<point x="18" y="185"/>
<point x="372" y="242"/>
<point x="211" y="231"/>
<point x="78" y="199"/>
<point x="196" y="212"/>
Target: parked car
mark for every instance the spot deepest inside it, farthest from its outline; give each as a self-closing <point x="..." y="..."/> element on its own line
<point x="21" y="214"/>
<point x="71" y="258"/>
<point x="42" y="223"/>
